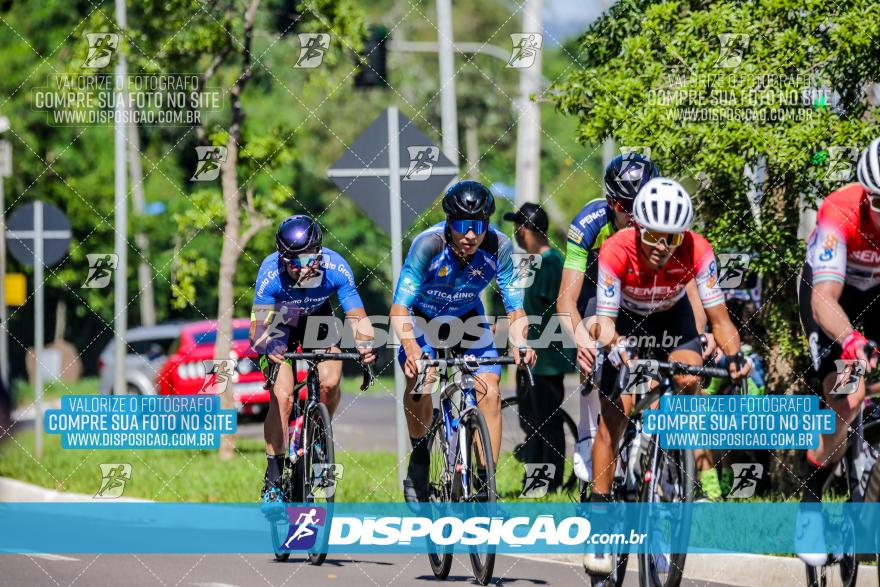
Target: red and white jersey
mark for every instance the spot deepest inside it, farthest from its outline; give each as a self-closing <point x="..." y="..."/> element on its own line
<point x="625" y="279"/>
<point x="845" y="245"/>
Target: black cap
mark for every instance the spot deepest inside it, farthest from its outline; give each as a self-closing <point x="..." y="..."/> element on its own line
<point x="532" y="216"/>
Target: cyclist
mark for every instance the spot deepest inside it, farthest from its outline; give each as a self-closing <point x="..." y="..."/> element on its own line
<point x="643" y="273"/>
<point x="445" y="270"/>
<point x="840" y="282"/>
<point x="592" y="226"/>
<point x="294" y="283"/>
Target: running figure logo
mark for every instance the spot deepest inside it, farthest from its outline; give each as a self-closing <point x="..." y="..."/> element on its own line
<point x="537" y="480"/>
<point x="849" y="373"/>
<point x="101" y="268"/>
<point x="732" y="48"/>
<point x="113" y="478"/>
<point x="745" y="479"/>
<point x="732" y="269"/>
<point x="421" y="162"/>
<point x="101" y="49"/>
<point x="209" y="160"/>
<point x="312" y="48"/>
<point x="218" y="374"/>
<point x="525" y="49"/>
<point x="525" y="267"/>
<point x="841" y="163"/>
<point x="640" y="376"/>
<point x="304" y="524"/>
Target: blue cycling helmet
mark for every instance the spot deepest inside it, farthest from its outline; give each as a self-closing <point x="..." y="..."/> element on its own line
<point x="625" y="176"/>
<point x="296" y="235"/>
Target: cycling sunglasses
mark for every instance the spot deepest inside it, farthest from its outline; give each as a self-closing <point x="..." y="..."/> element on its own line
<point x="874" y="200"/>
<point x="307" y="260"/>
<point x="465" y="226"/>
<point x="673" y="239"/>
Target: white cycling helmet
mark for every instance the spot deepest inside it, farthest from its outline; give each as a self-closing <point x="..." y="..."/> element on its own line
<point x="663" y="205"/>
<point x="868" y="171"/>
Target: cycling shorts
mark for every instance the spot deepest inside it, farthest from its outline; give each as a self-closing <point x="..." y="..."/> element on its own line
<point x="469" y="344"/>
<point x="861" y="307"/>
<point x="661" y="332"/>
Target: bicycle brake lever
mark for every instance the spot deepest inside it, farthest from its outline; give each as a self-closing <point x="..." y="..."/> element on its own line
<point x="369" y="377"/>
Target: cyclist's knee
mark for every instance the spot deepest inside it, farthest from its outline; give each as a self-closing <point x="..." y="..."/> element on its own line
<point x="690" y="384"/>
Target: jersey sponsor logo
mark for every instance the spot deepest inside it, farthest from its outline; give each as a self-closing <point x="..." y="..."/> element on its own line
<point x="575" y="236"/>
<point x="826" y="255"/>
<point x="591" y="217"/>
<point x="865" y="256"/>
<point x="609" y="286"/>
<point x="444" y="271"/>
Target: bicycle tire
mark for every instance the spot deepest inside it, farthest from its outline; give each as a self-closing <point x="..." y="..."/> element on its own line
<point x="571" y="431"/>
<point x="321" y="452"/>
<point x="872" y="494"/>
<point x="439" y="489"/>
<point x="482" y="564"/>
<point x="678" y="469"/>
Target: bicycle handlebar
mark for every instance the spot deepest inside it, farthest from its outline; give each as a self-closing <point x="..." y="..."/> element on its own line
<point x="473" y="362"/>
<point x="318" y="356"/>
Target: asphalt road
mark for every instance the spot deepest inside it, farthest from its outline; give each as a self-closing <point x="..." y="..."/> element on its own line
<point x="246" y="570"/>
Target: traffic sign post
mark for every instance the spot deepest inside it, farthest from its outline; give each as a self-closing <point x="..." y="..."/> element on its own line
<point x="5" y="171"/>
<point x="393" y="159"/>
<point x="39" y="234"/>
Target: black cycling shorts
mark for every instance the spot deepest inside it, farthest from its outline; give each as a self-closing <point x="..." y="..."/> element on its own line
<point x="656" y="336"/>
<point x="862" y="308"/>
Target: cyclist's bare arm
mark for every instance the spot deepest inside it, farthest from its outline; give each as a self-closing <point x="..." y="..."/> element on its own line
<point x="697" y="305"/>
<point x="401" y="322"/>
<point x="519" y="334"/>
<point x="363" y="333"/>
<point x="727" y="337"/>
<point x="566" y="300"/>
<point x="827" y="312"/>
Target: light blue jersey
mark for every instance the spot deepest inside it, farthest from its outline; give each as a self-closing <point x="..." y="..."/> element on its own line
<point x="435" y="282"/>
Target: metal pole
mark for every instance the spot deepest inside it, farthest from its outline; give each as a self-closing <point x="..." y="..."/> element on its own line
<point x="396" y="266"/>
<point x="38" y="327"/>
<point x="448" y="114"/>
<point x="528" y="135"/>
<point x="120" y="217"/>
<point x="4" y="326"/>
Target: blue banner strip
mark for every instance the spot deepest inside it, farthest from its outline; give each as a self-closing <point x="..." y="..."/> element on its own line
<point x="400" y="528"/>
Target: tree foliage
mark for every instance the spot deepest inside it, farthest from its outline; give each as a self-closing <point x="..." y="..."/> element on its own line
<point x="714" y="87"/>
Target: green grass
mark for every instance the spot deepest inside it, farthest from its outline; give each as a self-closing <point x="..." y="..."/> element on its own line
<point x="200" y="476"/>
<point x="23" y="392"/>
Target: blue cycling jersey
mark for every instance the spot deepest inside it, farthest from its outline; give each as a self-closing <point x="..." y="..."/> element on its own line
<point x="436" y="283"/>
<point x="275" y="286"/>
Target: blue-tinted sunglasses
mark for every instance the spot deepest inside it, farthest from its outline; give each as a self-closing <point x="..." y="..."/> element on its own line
<point x="465" y="226"/>
<point x="300" y="261"/>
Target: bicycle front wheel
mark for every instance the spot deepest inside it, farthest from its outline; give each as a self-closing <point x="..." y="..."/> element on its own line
<point x="669" y="478"/>
<point x="439" y="487"/>
<point x="477" y="454"/>
<point x="319" y="469"/>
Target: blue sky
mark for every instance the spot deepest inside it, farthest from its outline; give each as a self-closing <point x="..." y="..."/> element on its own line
<point x="566" y="18"/>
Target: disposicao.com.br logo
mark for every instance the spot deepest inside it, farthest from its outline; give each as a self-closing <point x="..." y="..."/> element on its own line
<point x="519" y="531"/>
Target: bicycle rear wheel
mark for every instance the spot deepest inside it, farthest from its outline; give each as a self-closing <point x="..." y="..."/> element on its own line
<point x="439" y="487"/>
<point x="477" y="451"/>
<point x="669" y="477"/>
<point x="318" y="466"/>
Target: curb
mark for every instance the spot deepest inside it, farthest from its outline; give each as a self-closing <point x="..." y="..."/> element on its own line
<point x="743" y="570"/>
<point x="13" y="490"/>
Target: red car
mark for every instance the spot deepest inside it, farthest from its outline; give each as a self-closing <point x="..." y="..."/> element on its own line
<point x="184" y="372"/>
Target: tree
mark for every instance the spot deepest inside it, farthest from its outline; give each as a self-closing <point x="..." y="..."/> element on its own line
<point x="716" y="87"/>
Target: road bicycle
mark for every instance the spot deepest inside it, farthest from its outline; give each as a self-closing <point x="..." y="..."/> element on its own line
<point x="309" y="474"/>
<point x="459" y="445"/>
<point x="857" y="476"/>
<point x="648" y="473"/>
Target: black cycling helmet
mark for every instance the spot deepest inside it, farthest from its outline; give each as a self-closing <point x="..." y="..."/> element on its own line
<point x="469" y="200"/>
<point x="625" y="176"/>
<point x="296" y="235"/>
